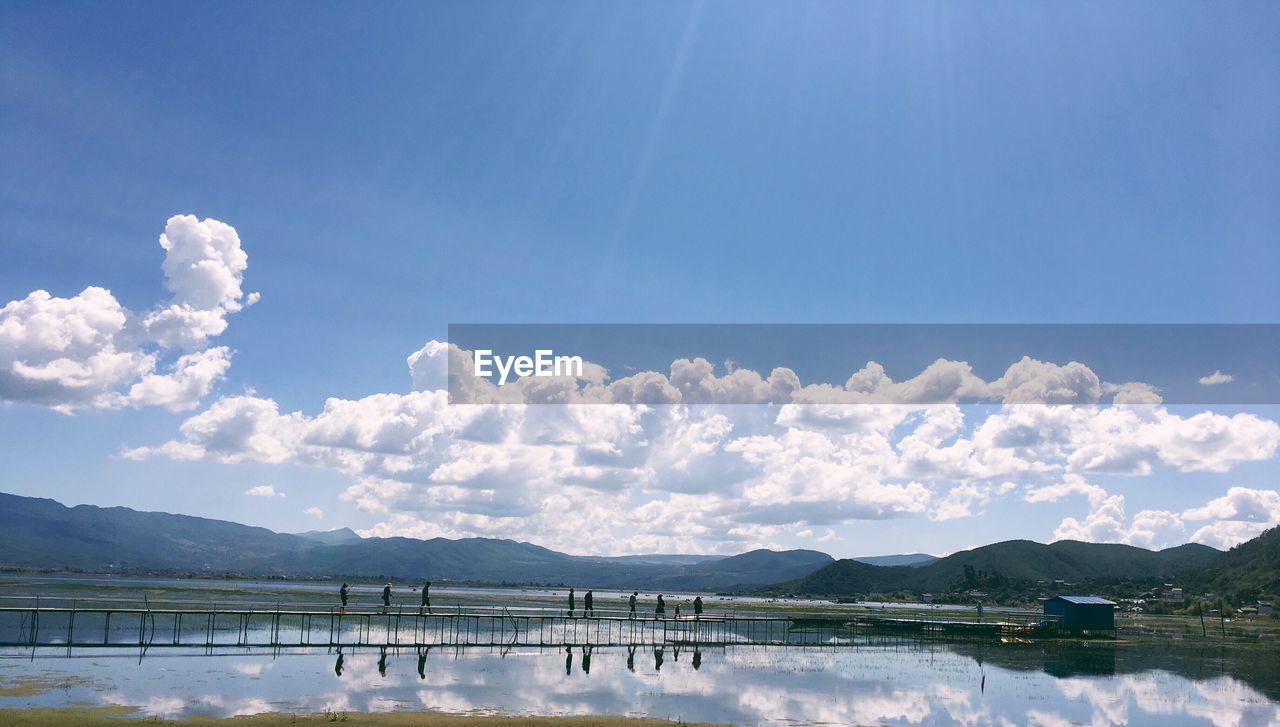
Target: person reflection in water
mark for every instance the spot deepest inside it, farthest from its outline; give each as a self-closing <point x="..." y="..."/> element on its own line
<point x="657" y="658"/>
<point x="586" y="660"/>
<point x="337" y="666"/>
<point x="697" y="659"/>
<point x="382" y="661"/>
<point x="568" y="660"/>
<point x="422" y="664"/>
<point x="631" y="658"/>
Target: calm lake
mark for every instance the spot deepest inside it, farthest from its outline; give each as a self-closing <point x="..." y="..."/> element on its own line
<point x="867" y="679"/>
<point x="864" y="683"/>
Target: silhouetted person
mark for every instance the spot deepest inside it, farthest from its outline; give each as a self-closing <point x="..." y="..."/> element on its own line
<point x="677" y="611"/>
<point x="697" y="607"/>
<point x="382" y="662"/>
<point x="422" y="665"/>
<point x="568" y="660"/>
<point x="632" y="601"/>
<point x="586" y="660"/>
<point x="697" y="659"/>
<point x="426" y="598"/>
<point x="386" y="597"/>
<point x="657" y="658"/>
<point x="587" y="607"/>
<point x="342" y="593"/>
<point x="660" y="611"/>
<point x="631" y="658"/>
<point x="337" y="666"/>
<point x="571" y="604"/>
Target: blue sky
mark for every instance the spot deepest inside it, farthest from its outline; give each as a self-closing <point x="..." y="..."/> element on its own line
<point x="392" y="171"/>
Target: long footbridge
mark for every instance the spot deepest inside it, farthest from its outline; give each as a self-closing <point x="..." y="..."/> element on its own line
<point x="242" y="624"/>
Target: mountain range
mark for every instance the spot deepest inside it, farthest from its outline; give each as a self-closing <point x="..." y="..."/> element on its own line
<point x="42" y="534"/>
<point x="37" y="533"/>
<point x="1018" y="569"/>
<point x="1013" y="562"/>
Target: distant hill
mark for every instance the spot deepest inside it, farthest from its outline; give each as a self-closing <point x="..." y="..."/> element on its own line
<point x="756" y="566"/>
<point x="331" y="537"/>
<point x="38" y="533"/>
<point x="911" y="559"/>
<point x="42" y="533"/>
<point x="994" y="565"/>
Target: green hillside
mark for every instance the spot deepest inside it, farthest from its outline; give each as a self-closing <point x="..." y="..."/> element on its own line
<point x="1010" y="565"/>
<point x="1249" y="571"/>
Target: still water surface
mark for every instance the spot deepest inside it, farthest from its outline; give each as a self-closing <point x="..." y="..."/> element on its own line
<point x="875" y="681"/>
<point x="866" y="680"/>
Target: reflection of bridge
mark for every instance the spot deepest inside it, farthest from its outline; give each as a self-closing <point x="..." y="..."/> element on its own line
<point x="302" y="625"/>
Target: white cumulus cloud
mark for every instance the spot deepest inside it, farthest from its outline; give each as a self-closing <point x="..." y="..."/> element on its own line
<point x="709" y="477"/>
<point x="89" y="352"/>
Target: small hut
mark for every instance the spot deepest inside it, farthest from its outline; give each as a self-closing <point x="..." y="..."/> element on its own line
<point x="1082" y="613"/>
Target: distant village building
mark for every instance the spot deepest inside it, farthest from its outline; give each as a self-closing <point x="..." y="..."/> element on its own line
<point x="1082" y="613"/>
<point x="1171" y="594"/>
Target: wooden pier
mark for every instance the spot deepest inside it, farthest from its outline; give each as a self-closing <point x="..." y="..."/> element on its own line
<point x="242" y="626"/>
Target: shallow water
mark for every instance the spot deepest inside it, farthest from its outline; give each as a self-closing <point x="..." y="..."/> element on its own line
<point x="871" y="682"/>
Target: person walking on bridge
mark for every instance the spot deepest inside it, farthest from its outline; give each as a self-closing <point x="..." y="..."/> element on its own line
<point x="660" y="611"/>
<point x="571" y="603"/>
<point x="386" y="597"/>
<point x="426" y="598"/>
<point x="342" y="593"/>
<point x="588" y="606"/>
<point x="632" y="601"/>
<point x="697" y="607"/>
